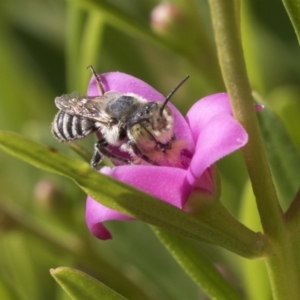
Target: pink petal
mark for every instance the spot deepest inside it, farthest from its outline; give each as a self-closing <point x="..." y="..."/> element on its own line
<point x="96" y="213"/>
<point x="165" y="183"/>
<point x="205" y="109"/>
<point x="205" y="183"/>
<point x="220" y="136"/>
<point x="124" y="83"/>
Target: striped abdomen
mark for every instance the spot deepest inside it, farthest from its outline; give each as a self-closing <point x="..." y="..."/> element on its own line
<point x="66" y="127"/>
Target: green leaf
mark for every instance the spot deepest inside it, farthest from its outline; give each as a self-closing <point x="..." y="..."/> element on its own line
<point x="130" y="201"/>
<point x="198" y="267"/>
<point x="282" y="155"/>
<point x="288" y="110"/>
<point x="293" y="9"/>
<point x="79" y="285"/>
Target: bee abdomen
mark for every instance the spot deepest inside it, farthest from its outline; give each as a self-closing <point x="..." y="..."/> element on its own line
<point x="66" y="127"/>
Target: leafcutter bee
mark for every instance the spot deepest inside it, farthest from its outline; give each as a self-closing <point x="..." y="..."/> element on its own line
<point x="127" y="122"/>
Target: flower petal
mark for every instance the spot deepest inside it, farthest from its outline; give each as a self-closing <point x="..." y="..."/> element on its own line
<point x="96" y="213"/>
<point x="124" y="83"/>
<point x="219" y="137"/>
<point x="166" y="183"/>
<point x="205" y="109"/>
<point x="162" y="182"/>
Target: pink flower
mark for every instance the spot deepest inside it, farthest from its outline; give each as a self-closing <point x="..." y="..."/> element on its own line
<point x="210" y="133"/>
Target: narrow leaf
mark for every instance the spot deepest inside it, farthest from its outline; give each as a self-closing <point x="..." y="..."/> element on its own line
<point x="79" y="285"/>
<point x="282" y="155"/>
<point x="133" y="202"/>
<point x="293" y="9"/>
<point x="198" y="267"/>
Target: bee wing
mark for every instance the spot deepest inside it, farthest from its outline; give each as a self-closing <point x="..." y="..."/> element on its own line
<point x="88" y="107"/>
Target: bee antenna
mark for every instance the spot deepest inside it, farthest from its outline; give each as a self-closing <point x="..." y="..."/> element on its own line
<point x="172" y="92"/>
<point x="98" y="80"/>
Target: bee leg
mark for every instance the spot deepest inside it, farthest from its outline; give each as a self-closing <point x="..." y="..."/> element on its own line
<point x="101" y="151"/>
<point x="139" y="154"/>
<point x="96" y="159"/>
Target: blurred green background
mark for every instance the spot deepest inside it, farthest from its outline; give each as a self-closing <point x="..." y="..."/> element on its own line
<point x="45" y="47"/>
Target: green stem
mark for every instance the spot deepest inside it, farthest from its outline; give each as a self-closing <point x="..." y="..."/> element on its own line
<point x="292" y="215"/>
<point x="283" y="268"/>
<point x="282" y="265"/>
<point x="227" y="35"/>
<point x="75" y="21"/>
<point x="90" y="47"/>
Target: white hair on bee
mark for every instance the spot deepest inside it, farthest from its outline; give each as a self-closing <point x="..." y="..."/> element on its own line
<point x="143" y="129"/>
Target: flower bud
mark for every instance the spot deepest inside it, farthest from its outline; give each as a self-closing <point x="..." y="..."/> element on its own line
<point x="165" y="18"/>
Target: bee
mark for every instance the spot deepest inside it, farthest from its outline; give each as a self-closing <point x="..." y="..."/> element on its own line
<point x="126" y="122"/>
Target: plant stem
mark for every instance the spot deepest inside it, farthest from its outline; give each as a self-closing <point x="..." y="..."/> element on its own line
<point x="283" y="268"/>
<point x="92" y="37"/>
<point x="282" y="264"/>
<point x="75" y="21"/>
<point x="227" y="35"/>
<point x="292" y="215"/>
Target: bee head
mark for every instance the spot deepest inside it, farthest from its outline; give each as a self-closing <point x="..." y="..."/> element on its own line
<point x="154" y="121"/>
<point x="152" y="125"/>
